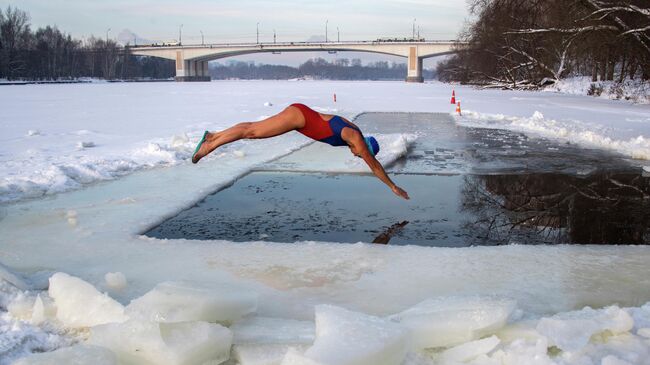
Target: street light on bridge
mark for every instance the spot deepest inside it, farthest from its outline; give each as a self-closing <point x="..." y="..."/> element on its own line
<point x="414" y="28"/>
<point x="180" y="35"/>
<point x="338" y="35"/>
<point x="326" y="30"/>
<point x="258" y="32"/>
<point x="107" y="30"/>
<point x="202" y="39"/>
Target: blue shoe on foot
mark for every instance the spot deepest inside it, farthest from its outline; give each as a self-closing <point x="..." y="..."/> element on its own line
<point x="198" y="147"/>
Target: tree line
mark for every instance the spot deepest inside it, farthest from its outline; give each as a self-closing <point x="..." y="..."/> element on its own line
<point x="528" y="43"/>
<point x="317" y="68"/>
<point x="49" y="54"/>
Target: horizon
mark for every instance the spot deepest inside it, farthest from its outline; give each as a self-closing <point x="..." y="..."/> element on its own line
<point x="286" y="21"/>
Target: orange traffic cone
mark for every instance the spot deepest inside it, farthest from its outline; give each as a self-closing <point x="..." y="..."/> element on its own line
<point x="458" y="108"/>
<point x="453" y="96"/>
<point x="335" y="97"/>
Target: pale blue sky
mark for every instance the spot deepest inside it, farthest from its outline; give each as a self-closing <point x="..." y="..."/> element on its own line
<point x="235" y="21"/>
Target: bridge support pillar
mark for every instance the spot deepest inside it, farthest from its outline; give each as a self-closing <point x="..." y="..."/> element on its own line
<point x="414" y="73"/>
<point x="190" y="70"/>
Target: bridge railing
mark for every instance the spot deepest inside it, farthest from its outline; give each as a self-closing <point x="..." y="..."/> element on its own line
<point x="282" y="44"/>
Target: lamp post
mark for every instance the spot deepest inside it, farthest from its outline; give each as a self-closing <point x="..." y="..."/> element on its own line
<point x="338" y="35"/>
<point x="326" y="30"/>
<point x="107" y="30"/>
<point x="414" y="27"/>
<point x="273" y="35"/>
<point x="258" y="33"/>
<point x="202" y="39"/>
<point x="180" y="35"/>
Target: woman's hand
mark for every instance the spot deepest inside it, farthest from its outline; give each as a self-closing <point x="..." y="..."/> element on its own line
<point x="400" y="192"/>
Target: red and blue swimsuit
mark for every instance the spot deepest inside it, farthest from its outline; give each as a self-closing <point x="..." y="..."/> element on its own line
<point x="326" y="131"/>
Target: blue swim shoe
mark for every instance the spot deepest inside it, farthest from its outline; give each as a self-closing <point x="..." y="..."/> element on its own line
<point x="198" y="146"/>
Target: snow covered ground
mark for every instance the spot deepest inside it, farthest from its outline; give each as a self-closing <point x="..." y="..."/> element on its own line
<point x="120" y="152"/>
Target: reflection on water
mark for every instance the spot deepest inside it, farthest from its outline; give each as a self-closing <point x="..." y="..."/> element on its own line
<point x="456" y="211"/>
<point x="606" y="207"/>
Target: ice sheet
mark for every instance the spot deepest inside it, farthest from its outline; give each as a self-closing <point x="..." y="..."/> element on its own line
<point x="172" y="302"/>
<point x="290" y="278"/>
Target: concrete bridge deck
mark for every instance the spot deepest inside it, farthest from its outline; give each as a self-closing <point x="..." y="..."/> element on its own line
<point x="192" y="60"/>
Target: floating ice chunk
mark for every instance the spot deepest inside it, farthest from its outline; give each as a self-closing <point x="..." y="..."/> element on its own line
<point x="451" y="321"/>
<point x="85" y="144"/>
<point x="44" y="309"/>
<point x="33" y="132"/>
<point x="75" y="355"/>
<point x="264" y="330"/>
<point x="350" y="338"/>
<point x="143" y="342"/>
<point x="571" y="331"/>
<point x="115" y="280"/>
<point x="264" y="354"/>
<point x="185" y="301"/>
<point x="469" y="350"/>
<point x="79" y="304"/>
<point x="239" y="153"/>
<point x="268" y="103"/>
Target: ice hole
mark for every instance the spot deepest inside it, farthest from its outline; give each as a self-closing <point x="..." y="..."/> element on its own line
<point x="468" y="186"/>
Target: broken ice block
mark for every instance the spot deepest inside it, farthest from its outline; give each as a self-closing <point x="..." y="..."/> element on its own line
<point x="172" y="302"/>
<point x="444" y="322"/>
<point x="265" y="330"/>
<point x="79" y="304"/>
<point x="75" y="355"/>
<point x="571" y="331"/>
<point x="43" y="309"/>
<point x="468" y="351"/>
<point x="264" y="354"/>
<point x="143" y="342"/>
<point x="350" y="338"/>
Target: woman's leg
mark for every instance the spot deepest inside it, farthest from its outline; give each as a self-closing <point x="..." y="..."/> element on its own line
<point x="289" y="119"/>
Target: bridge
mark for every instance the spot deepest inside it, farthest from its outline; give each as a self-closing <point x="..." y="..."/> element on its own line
<point x="192" y="60"/>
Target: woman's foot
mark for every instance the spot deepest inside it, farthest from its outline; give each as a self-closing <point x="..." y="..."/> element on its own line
<point x="202" y="148"/>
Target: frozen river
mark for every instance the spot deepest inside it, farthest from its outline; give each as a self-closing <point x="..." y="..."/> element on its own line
<point x="81" y="209"/>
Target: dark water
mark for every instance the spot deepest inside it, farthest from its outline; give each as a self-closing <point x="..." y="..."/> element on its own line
<point x="460" y="210"/>
<point x="468" y="186"/>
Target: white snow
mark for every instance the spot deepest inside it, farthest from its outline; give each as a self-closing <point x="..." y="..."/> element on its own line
<point x="93" y="229"/>
<point x="171" y="302"/>
<point x="571" y="331"/>
<point x="79" y="304"/>
<point x="637" y="147"/>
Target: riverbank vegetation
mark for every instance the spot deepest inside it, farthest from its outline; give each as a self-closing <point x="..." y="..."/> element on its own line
<point x="528" y="44"/>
